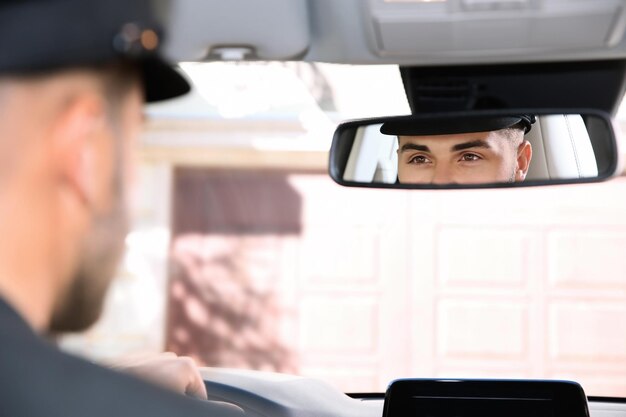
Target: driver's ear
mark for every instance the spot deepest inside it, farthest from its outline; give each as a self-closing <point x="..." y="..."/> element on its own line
<point x="524" y="155"/>
<point x="79" y="140"/>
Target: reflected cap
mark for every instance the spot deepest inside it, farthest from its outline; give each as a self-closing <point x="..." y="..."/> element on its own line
<point x="455" y="125"/>
<point x="46" y="35"/>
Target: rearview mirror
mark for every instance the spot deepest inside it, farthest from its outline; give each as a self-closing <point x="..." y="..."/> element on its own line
<point x="480" y="149"/>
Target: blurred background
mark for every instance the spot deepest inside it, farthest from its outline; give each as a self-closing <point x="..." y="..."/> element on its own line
<point x="245" y="254"/>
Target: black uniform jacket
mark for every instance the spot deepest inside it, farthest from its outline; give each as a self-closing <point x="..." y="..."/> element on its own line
<point x="38" y="380"/>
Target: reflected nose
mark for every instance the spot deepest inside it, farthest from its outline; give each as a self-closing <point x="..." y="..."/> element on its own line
<point x="442" y="175"/>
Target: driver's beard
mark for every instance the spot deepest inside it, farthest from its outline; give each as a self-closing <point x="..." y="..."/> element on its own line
<point x="81" y="303"/>
<point x="512" y="177"/>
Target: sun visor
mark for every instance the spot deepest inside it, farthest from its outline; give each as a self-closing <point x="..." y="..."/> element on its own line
<point x="237" y="30"/>
<point x="410" y="28"/>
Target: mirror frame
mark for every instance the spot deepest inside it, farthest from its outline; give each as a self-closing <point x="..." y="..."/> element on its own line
<point x="342" y="145"/>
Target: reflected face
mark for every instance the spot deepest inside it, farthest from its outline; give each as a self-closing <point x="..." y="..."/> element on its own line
<point x="467" y="158"/>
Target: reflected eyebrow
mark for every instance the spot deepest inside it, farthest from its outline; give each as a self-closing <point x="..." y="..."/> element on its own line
<point x="414" y="147"/>
<point x="473" y="144"/>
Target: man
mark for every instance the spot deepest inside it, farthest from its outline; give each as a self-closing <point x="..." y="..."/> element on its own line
<point x="464" y="151"/>
<point x="73" y="78"/>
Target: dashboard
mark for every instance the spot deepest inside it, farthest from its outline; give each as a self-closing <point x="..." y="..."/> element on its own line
<point x="265" y="394"/>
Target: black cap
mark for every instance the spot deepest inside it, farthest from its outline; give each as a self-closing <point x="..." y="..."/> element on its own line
<point x="455" y="125"/>
<point x="43" y="35"/>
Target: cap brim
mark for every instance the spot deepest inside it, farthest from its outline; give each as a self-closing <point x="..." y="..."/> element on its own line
<point x="447" y="125"/>
<point x="161" y="81"/>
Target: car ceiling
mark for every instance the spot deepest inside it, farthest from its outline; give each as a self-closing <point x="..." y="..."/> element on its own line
<point x="405" y="32"/>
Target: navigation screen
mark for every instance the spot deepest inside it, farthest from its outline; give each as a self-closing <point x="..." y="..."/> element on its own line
<point x="484" y="398"/>
<point x="435" y="406"/>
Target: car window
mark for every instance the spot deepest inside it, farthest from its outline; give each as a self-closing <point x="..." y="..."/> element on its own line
<point x="244" y="253"/>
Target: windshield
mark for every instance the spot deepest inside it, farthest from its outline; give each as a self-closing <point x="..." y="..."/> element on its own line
<point x="245" y="254"/>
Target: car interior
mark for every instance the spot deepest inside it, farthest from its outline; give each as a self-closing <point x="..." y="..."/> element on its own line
<point x="562" y="61"/>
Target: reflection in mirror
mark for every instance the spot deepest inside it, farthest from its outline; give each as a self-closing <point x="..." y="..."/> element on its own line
<point x="483" y="149"/>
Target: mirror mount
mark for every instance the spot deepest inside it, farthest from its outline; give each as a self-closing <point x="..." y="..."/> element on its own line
<point x="598" y="85"/>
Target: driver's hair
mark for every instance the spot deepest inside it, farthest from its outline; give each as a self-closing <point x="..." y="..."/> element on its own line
<point x="515" y="133"/>
<point x="116" y="79"/>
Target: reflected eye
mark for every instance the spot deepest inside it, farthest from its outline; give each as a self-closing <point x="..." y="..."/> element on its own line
<point x="419" y="160"/>
<point x="470" y="157"/>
